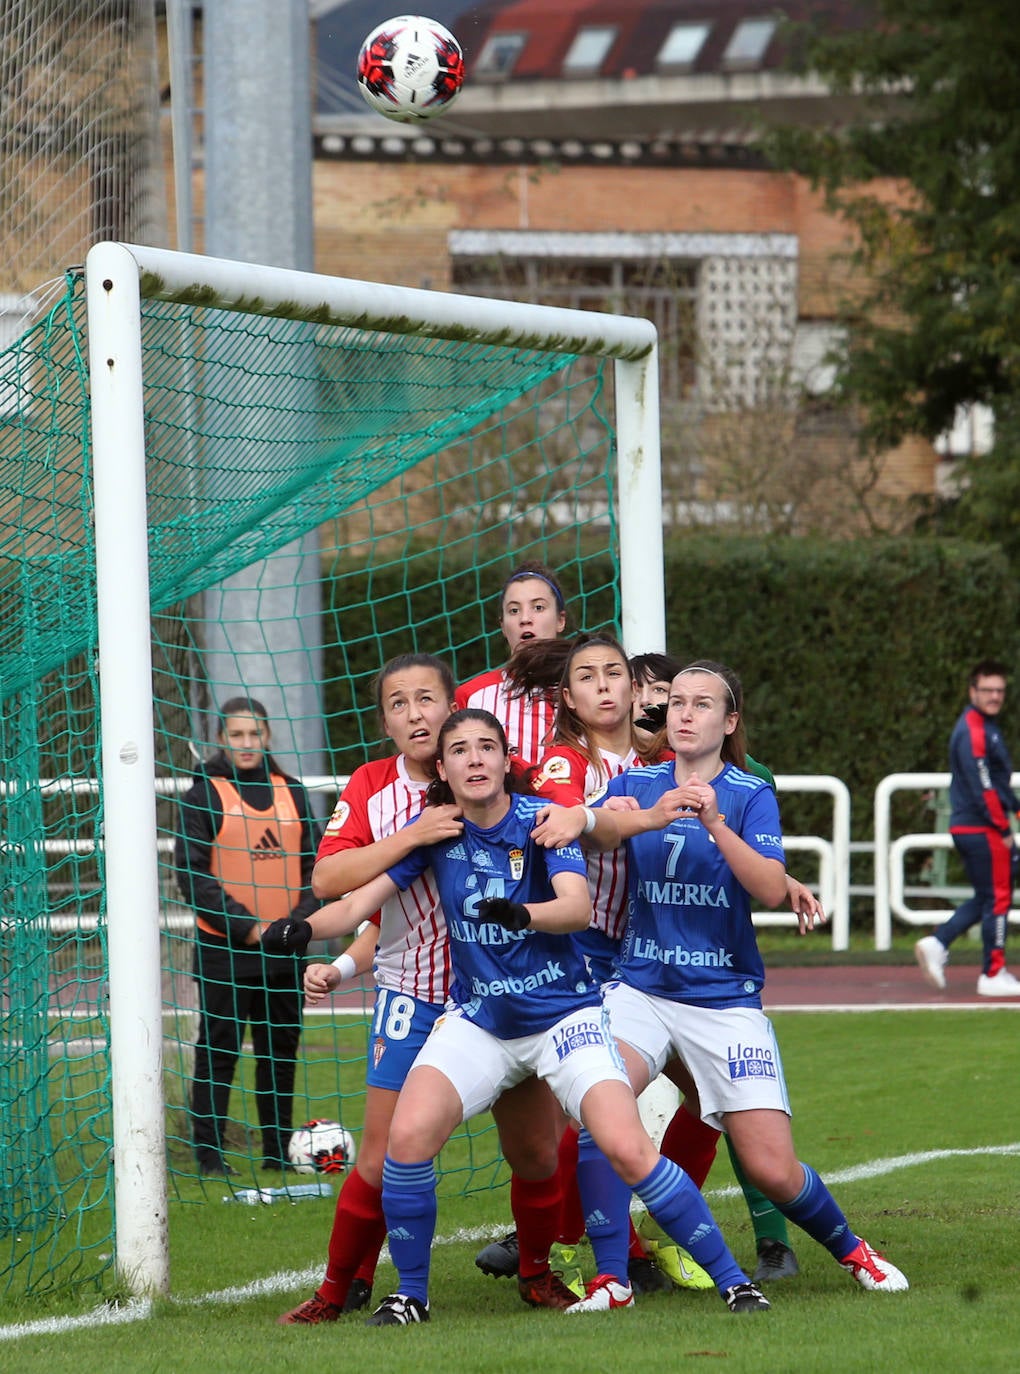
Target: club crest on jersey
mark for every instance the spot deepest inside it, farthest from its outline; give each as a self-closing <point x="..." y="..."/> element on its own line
<point x="516" y="857"/>
<point x="556" y="769"/>
<point x="336" y="822"/>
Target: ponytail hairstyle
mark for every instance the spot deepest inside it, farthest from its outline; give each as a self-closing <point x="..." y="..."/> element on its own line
<point x="568" y="728"/>
<point x="734" y="746"/>
<point x="438" y="792"/>
<point x="537" y="665"/>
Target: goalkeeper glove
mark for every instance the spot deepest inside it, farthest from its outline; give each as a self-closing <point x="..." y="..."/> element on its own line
<point x="654" y="717"/>
<point x="286" y="936"/>
<point x="510" y="915"/>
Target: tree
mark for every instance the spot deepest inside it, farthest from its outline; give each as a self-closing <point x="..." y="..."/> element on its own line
<point x="929" y="174"/>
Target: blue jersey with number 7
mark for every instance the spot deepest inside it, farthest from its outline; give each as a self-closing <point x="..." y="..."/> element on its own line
<point x="689" y="933"/>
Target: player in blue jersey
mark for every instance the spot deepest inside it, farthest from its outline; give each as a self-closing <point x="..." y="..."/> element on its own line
<point x="703" y="842"/>
<point x="687" y="1139"/>
<point x="522" y="1006"/>
<point x="982" y="804"/>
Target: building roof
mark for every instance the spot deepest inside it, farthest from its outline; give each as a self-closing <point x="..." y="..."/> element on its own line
<point x="674" y="80"/>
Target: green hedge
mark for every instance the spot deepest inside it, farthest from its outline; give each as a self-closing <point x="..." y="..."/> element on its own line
<point x="853" y="655"/>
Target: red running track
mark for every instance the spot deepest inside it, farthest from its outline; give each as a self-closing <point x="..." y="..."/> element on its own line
<point x="875" y="987"/>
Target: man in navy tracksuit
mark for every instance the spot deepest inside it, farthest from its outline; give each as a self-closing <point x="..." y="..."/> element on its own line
<point x="981" y="803"/>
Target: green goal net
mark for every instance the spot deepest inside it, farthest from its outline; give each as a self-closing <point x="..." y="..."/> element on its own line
<point x="321" y="496"/>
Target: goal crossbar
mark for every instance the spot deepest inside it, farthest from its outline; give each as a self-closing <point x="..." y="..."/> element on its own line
<point x="252" y="288"/>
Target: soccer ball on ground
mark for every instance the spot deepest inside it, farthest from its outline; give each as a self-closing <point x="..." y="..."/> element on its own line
<point x="321" y="1147"/>
<point x="410" y="68"/>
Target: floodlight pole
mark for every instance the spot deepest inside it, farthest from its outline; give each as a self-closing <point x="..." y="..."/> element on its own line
<point x="129" y="770"/>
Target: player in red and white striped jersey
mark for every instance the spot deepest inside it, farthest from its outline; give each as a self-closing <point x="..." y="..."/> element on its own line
<point x="532" y="607"/>
<point x="364" y="836"/>
<point x="378" y="801"/>
<point x="594" y="740"/>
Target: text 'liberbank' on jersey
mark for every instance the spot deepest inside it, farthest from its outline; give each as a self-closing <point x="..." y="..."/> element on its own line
<point x="510" y="983"/>
<point x="689" y="935"/>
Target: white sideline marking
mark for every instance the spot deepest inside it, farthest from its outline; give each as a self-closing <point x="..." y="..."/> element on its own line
<point x="138" y="1309"/>
<point x="106" y="1315"/>
<point x="878" y="1167"/>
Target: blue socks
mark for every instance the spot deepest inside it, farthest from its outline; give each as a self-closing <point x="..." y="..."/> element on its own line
<point x="817" y="1212"/>
<point x="671" y="1198"/>
<point x="681" y="1211"/>
<point x="409" y="1205"/>
<point x="605" y="1199"/>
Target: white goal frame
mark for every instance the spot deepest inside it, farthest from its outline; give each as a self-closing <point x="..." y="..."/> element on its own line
<point x="117" y="277"/>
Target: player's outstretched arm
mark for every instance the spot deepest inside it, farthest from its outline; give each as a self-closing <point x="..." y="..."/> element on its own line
<point x="320" y="980"/>
<point x="342" y="917"/>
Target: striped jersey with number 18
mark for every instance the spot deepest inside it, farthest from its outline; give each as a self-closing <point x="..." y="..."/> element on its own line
<point x="412" y="954"/>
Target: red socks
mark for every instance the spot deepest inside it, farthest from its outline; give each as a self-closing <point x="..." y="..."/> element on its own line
<point x="536" y="1206"/>
<point x="571" y="1227"/>
<point x="359" y="1230"/>
<point x="691" y="1144"/>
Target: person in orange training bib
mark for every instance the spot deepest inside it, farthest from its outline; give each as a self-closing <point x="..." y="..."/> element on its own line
<point x="244" y="858"/>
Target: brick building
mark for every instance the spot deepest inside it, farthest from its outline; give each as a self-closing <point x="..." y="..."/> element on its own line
<point x="606" y="153"/>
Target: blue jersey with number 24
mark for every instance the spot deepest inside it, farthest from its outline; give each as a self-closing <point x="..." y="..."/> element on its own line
<point x="509" y="982"/>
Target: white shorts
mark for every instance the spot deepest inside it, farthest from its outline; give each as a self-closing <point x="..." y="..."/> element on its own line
<point x="730" y="1052"/>
<point x="572" y="1056"/>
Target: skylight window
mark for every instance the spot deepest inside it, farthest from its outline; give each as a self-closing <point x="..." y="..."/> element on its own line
<point x="682" y="46"/>
<point x="589" y="50"/>
<point x="748" y="42"/>
<point x="500" y="53"/>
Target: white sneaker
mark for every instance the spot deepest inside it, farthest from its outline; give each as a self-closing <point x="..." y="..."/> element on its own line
<point x="873" y="1271"/>
<point x="932" y="956"/>
<point x="604" y="1294"/>
<point x="1001" y="984"/>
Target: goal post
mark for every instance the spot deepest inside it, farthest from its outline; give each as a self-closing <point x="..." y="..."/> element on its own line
<point x="119" y="278"/>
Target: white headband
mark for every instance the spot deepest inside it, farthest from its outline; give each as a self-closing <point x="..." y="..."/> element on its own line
<point x="711" y="673"/>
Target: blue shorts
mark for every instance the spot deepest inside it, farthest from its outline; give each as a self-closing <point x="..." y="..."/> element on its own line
<point x="400" y="1027"/>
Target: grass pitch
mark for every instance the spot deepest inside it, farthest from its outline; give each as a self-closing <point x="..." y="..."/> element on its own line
<point x="911" y="1118"/>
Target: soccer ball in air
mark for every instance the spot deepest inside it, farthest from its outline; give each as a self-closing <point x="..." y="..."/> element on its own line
<point x="410" y="68"/>
<point x="321" y="1147"/>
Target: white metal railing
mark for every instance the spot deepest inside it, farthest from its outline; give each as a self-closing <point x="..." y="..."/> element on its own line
<point x="834" y="867"/>
<point x="890" y="892"/>
<point x="833" y="851"/>
<point x="890" y="884"/>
